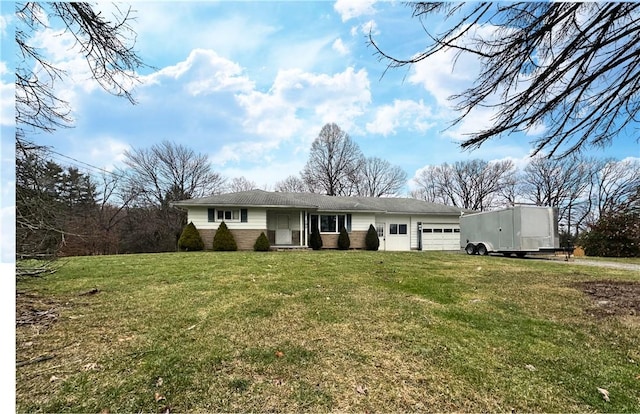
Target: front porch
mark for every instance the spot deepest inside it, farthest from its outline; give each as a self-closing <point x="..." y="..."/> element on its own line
<point x="287" y="229"/>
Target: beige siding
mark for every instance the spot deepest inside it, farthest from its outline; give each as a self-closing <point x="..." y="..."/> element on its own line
<point x="257" y="219"/>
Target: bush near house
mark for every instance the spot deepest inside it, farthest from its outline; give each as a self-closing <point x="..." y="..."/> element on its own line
<point x="371" y="241"/>
<point x="343" y="239"/>
<point x="262" y="243"/>
<point x="616" y="234"/>
<point x="190" y="239"/>
<point x="315" y="240"/>
<point x="223" y="240"/>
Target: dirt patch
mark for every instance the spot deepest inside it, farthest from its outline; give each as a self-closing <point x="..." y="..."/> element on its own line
<point x="613" y="298"/>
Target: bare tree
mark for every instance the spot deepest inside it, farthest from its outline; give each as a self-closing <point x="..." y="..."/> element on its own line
<point x="573" y="67"/>
<point x="333" y="162"/>
<point x="169" y="172"/>
<point x="157" y="176"/>
<point x="107" y="47"/>
<point x="473" y="184"/>
<point x="616" y="182"/>
<point x="378" y="178"/>
<point x="241" y="184"/>
<point x="291" y="184"/>
<point x="562" y="183"/>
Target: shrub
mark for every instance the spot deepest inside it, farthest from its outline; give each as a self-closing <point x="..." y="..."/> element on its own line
<point x="223" y="240"/>
<point x="262" y="244"/>
<point x="190" y="239"/>
<point x="343" y="239"/>
<point x="315" y="240"/>
<point x="613" y="235"/>
<point x="371" y="241"/>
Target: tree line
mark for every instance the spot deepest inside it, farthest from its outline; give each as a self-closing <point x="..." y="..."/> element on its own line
<point x="582" y="188"/>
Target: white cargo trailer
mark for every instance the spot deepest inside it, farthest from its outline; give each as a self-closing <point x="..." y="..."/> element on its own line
<point x="518" y="230"/>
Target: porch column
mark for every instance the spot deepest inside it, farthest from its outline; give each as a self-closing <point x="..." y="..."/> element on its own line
<point x="301" y="229"/>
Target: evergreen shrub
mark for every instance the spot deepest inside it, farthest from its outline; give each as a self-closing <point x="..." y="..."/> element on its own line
<point x="190" y="239"/>
<point x="315" y="240"/>
<point x="371" y="241"/>
<point x="262" y="243"/>
<point x="343" y="239"/>
<point x="223" y="240"/>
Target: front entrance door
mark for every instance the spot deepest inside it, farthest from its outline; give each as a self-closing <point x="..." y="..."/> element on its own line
<point x="283" y="229"/>
<point x="380" y="229"/>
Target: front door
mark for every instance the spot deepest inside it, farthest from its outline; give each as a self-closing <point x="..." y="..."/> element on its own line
<point x="283" y="229"/>
<point x="380" y="229"/>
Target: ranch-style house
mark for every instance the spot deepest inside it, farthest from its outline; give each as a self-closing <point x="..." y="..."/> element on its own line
<point x="288" y="218"/>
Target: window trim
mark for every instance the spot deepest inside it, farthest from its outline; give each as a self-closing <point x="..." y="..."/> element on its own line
<point x="234" y="215"/>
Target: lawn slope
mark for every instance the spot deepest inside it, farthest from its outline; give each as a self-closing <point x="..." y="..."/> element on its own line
<point x="322" y="331"/>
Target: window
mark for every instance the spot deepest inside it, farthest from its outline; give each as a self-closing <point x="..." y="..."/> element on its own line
<point x="437" y="230"/>
<point x="331" y="223"/>
<point x="427" y="230"/>
<point x="211" y="215"/>
<point x="448" y="230"/>
<point x="230" y="215"/>
<point x="397" y="228"/>
<point x="456" y="230"/>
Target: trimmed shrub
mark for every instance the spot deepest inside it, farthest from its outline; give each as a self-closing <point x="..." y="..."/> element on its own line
<point x="223" y="240"/>
<point x="315" y="240"/>
<point x="343" y="239"/>
<point x="371" y="241"/>
<point x="262" y="243"/>
<point x="190" y="239"/>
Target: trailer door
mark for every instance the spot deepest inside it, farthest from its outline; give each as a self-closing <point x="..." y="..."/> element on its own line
<point x="505" y="230"/>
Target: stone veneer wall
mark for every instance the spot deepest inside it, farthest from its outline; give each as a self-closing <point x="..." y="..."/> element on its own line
<point x="245" y="239"/>
<point x="357" y="239"/>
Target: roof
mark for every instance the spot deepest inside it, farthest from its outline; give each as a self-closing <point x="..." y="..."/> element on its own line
<point x="321" y="202"/>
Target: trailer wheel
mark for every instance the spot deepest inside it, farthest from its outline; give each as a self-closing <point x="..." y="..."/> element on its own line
<point x="470" y="249"/>
<point x="482" y="250"/>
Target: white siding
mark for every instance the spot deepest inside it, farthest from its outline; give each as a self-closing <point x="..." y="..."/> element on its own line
<point x="256" y="218"/>
<point x="361" y="221"/>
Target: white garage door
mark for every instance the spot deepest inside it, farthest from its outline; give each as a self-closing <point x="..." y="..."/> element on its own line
<point x="435" y="237"/>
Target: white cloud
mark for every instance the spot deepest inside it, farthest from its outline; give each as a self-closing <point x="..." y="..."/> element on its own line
<point x="340" y="47"/>
<point x="7" y="103"/>
<point x="349" y="9"/>
<point x="406" y="114"/>
<point x="297" y="97"/>
<point x="203" y="72"/>
<point x="8" y="230"/>
<point x="106" y="152"/>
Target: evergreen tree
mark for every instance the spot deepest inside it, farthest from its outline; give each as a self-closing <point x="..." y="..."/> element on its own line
<point x="190" y="239"/>
<point x="315" y="240"/>
<point x="223" y="240"/>
<point x="371" y="241"/>
<point x="343" y="239"/>
<point x="262" y="244"/>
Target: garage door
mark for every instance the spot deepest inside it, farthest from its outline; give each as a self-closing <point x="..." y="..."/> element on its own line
<point x="440" y="237"/>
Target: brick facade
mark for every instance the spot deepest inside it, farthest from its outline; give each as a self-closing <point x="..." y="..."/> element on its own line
<point x="245" y="239"/>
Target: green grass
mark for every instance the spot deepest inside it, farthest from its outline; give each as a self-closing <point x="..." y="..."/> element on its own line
<point x="324" y="331"/>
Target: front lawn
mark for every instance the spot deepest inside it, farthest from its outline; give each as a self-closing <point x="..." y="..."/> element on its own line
<point x="323" y="331"/>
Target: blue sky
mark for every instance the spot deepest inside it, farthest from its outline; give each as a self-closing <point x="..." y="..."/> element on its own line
<point x="250" y="84"/>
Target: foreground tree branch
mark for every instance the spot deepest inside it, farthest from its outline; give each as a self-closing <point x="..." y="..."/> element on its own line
<point x="572" y="67"/>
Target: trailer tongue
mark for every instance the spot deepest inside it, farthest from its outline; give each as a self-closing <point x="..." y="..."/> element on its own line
<point x="518" y="230"/>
